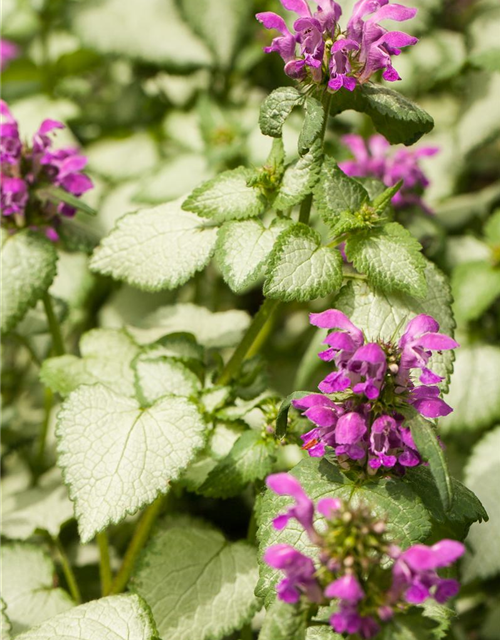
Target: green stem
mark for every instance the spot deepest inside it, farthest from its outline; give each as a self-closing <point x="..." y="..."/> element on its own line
<point x="262" y="316"/>
<point x="27" y="345"/>
<point x="246" y="632"/>
<point x="305" y="207"/>
<point x="139" y="539"/>
<point x="48" y="400"/>
<point x="55" y="329"/>
<point x="68" y="572"/>
<point x="104" y="565"/>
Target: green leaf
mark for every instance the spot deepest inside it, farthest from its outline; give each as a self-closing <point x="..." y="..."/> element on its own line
<point x="106" y="357"/>
<point x="487" y="60"/>
<point x="411" y="625"/>
<point x="135" y="252"/>
<point x="282" y="417"/>
<point x="44" y="507"/>
<point x="337" y="193"/>
<point x="125" y="617"/>
<point x="227" y="197"/>
<point x="197" y="584"/>
<point x="395" y="116"/>
<point x="382" y="200"/>
<point x="251" y="458"/>
<point x="57" y="195"/>
<point x="475" y="286"/>
<point x="242" y="251"/>
<point x="276" y="108"/>
<point x="482" y="475"/>
<point x="160" y="376"/>
<point x="179" y="345"/>
<point x="109" y="446"/>
<point x="152" y="31"/>
<point x="212" y="330"/>
<point x="391" y="258"/>
<point x="5" y="624"/>
<point x="206" y="18"/>
<point x="300" y="268"/>
<point x="492" y="228"/>
<point x="474" y="389"/>
<point x="466" y="507"/>
<point x="299" y="178"/>
<point x="28" y="586"/>
<point x="407" y="519"/>
<point x="28" y="268"/>
<point x="284" y="621"/>
<point x="429" y="447"/>
<point x="313" y="124"/>
<point x="384" y="316"/>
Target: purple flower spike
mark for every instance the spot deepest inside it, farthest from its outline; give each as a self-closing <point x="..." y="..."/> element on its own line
<point x="328" y="507"/>
<point x="13" y="195"/>
<point x="368" y="363"/>
<point x="299" y="571"/>
<point x="334" y="319"/>
<point x="376" y="158"/>
<point x="345" y="588"/>
<point x="303" y="511"/>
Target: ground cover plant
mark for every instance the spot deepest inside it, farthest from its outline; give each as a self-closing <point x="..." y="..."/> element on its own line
<point x="250" y="320"/>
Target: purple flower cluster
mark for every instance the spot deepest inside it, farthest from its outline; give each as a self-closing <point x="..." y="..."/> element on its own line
<point x="25" y="169"/>
<point x="377" y="159"/>
<point x="8" y="51"/>
<point x="352" y="564"/>
<point x="371" y="384"/>
<point x="328" y="54"/>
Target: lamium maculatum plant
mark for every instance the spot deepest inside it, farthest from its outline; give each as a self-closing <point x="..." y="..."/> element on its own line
<point x="226" y="492"/>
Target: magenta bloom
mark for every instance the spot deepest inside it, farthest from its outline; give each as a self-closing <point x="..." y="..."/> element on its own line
<point x="414" y="572"/>
<point x="318" y="49"/>
<point x="303" y="511"/>
<point x="8" y="51"/>
<point x="299" y="573"/>
<point x="376" y="158"/>
<point x="27" y="169"/>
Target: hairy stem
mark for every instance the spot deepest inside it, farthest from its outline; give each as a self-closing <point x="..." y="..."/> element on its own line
<point x="141" y="534"/>
<point x="251" y="335"/>
<point x="68" y="572"/>
<point x="104" y="565"/>
<point x="55" y="329"/>
<point x="305" y="207"/>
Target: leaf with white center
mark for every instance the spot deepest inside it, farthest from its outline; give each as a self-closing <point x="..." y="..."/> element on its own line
<point x="474" y="389"/>
<point x="118" y="457"/>
<point x="476" y="286"/>
<point x="391" y="258"/>
<point x="179" y="345"/>
<point x="284" y="621"/>
<point x="44" y="507"/>
<point x="429" y="447"/>
<point x="212" y="330"/>
<point x="206" y="18"/>
<point x="197" y="584"/>
<point x="154" y="249"/>
<point x="28" y="268"/>
<point x="276" y="108"/>
<point x="313" y="124"/>
<point x="125" y="617"/>
<point x="151" y="30"/>
<point x="251" y="458"/>
<point x="337" y="193"/>
<point x="158" y="377"/>
<point x="299" y="178"/>
<point x="300" y="268"/>
<point x="482" y="475"/>
<point x="28" y="586"/>
<point x="106" y="357"/>
<point x="407" y="519"/>
<point x="395" y="116"/>
<point x="243" y="248"/>
<point x="5" y="625"/>
<point x="382" y="315"/>
<point x="227" y="197"/>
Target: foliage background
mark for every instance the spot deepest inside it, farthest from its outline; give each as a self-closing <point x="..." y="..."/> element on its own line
<point x="162" y="95"/>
